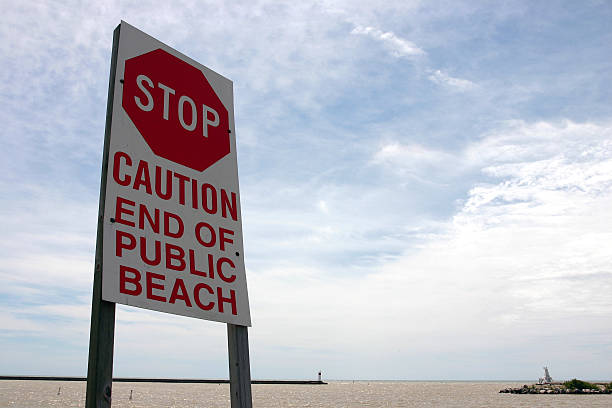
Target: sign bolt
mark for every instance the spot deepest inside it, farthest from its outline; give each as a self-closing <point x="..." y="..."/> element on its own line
<point x="107" y="393"/>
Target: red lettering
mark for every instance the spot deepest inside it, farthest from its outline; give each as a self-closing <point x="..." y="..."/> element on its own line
<point x="179" y="256"/>
<point x="227" y="206"/>
<point x="134" y="280"/>
<point x="220" y="263"/>
<point x="119" y="210"/>
<point x="142" y="177"/>
<point x="211" y="266"/>
<point x="198" y="234"/>
<point x="196" y="296"/>
<point x="222" y="239"/>
<point x="231" y="300"/>
<point x="151" y="285"/>
<point x="209" y="205"/>
<point x="194" y="193"/>
<point x="143" y="252"/>
<point x="120" y="246"/>
<point x="179" y="223"/>
<point x="179" y="285"/>
<point x="182" y="180"/>
<point x="210" y="197"/>
<point x="192" y="266"/>
<point x="143" y="213"/>
<point x="117" y="164"/>
<point x="158" y="182"/>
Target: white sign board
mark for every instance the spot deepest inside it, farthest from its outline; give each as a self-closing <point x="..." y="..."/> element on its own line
<point x="172" y="222"/>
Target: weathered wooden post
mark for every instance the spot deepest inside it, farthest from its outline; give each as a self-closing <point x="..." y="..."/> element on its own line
<point x="102" y="330"/>
<point x="169" y="232"/>
<point x="239" y="366"/>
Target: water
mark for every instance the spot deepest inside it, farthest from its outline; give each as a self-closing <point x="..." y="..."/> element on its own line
<point x="337" y="394"/>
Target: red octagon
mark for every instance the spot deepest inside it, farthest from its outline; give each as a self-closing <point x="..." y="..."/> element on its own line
<point x="175" y="110"/>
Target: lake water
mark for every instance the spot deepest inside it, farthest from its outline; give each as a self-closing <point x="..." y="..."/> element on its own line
<point x="35" y="394"/>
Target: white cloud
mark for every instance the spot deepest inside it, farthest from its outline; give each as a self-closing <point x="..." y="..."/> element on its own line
<point x="442" y="78"/>
<point x="543" y="224"/>
<point x="411" y="155"/>
<point x="398" y="46"/>
<point x="524" y="254"/>
<point x="417" y="162"/>
<point x="517" y="142"/>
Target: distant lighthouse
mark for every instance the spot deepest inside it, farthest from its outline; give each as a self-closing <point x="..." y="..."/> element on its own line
<point x="319" y="376"/>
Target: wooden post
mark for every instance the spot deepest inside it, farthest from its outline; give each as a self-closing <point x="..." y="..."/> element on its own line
<point x="102" y="332"/>
<point x="239" y="366"/>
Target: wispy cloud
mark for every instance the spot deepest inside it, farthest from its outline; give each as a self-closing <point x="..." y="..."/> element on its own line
<point x="399" y="47"/>
<point x="402" y="48"/>
<point x="401" y="154"/>
<point x="441" y="78"/>
<point x="418" y="161"/>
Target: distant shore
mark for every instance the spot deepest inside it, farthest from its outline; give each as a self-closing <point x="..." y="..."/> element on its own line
<point x="157" y="380"/>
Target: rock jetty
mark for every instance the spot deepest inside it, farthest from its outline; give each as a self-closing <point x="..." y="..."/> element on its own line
<point x="561" y="388"/>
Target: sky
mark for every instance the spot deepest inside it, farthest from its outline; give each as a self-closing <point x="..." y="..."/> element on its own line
<point x="426" y="187"/>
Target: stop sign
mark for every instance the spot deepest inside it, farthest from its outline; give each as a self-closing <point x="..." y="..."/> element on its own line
<point x="170" y="227"/>
<point x="175" y="109"/>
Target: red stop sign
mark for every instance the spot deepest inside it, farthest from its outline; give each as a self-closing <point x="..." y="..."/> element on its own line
<point x="175" y="110"/>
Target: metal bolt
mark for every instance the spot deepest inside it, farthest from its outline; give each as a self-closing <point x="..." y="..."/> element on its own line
<point x="107" y="393"/>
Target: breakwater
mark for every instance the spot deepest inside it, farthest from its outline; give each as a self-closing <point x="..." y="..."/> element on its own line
<point x="157" y="380"/>
<point x="559" y="388"/>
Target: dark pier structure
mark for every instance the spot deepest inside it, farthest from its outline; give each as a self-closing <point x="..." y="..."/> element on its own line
<point x="159" y="380"/>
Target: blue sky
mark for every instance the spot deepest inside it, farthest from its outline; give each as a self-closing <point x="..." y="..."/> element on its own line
<point x="426" y="187"/>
